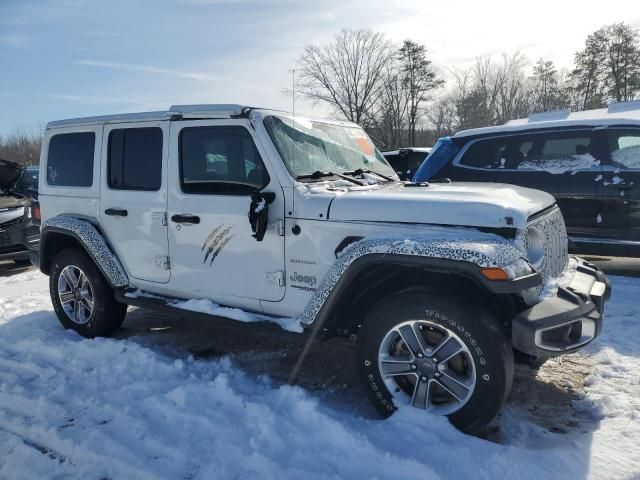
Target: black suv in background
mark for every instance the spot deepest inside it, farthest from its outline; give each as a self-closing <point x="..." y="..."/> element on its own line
<point x="19" y="212"/>
<point x="590" y="161"/>
<point x="406" y="161"/>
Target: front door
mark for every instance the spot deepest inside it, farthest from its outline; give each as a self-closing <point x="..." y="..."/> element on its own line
<point x="133" y="201"/>
<point x="621" y="185"/>
<point x="215" y="166"/>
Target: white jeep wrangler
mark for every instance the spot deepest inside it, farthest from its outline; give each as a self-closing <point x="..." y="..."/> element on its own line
<point x="303" y="222"/>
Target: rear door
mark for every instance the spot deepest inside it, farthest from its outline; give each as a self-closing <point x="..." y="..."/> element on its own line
<point x="621" y="186"/>
<point x="133" y="201"/>
<point x="215" y="166"/>
<point x="575" y="159"/>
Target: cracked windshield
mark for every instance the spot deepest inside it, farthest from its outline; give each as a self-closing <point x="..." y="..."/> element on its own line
<point x="308" y="146"/>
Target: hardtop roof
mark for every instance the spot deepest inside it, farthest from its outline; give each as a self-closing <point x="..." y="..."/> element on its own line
<point x="187" y="111"/>
<point x="622" y="113"/>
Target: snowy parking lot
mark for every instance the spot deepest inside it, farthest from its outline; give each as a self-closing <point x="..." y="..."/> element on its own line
<point x="134" y="407"/>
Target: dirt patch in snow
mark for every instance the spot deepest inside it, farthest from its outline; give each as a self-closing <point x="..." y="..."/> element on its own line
<point x="547" y="393"/>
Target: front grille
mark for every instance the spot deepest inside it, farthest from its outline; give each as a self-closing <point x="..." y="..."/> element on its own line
<point x="11" y="223"/>
<point x="550" y="226"/>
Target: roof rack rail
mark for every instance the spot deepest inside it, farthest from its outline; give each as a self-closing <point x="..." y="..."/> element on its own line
<point x="547" y="116"/>
<point x="624" y="106"/>
<point x="206" y="111"/>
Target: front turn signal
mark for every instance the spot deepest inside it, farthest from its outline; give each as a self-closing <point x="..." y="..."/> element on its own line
<point x="495" y="273"/>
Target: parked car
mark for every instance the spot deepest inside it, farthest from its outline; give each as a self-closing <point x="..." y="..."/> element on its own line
<point x="28" y="183"/>
<point x="304" y="221"/>
<point x="406" y="161"/>
<point x="590" y="162"/>
<point x="19" y="216"/>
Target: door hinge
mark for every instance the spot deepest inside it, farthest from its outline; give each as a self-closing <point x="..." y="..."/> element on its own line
<point x="275" y="277"/>
<point x="160" y="217"/>
<point x="163" y="262"/>
<point x="278" y="227"/>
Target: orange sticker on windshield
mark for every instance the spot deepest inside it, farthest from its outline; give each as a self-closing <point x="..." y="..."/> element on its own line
<point x="365" y="145"/>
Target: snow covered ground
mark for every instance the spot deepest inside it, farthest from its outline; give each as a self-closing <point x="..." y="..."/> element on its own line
<point x="121" y="409"/>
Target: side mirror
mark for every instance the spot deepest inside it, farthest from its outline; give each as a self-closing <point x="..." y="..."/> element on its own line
<point x="259" y="213"/>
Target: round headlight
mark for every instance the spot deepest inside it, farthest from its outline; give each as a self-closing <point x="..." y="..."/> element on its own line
<point x="535" y="248"/>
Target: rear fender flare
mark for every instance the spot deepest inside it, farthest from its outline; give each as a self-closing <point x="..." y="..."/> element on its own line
<point x="91" y="240"/>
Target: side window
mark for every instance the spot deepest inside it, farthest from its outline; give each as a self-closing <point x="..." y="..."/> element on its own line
<point x="553" y="152"/>
<point x="135" y="159"/>
<point x="70" y="159"/>
<point x="497" y="153"/>
<point x="220" y="160"/>
<point x="624" y="148"/>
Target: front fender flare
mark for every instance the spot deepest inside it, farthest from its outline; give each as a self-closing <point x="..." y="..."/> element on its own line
<point x="91" y="240"/>
<point x="463" y="253"/>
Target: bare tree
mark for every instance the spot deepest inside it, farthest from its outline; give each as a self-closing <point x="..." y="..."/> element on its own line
<point x="390" y="121"/>
<point x="441" y="116"/>
<point x="22" y="146"/>
<point x="348" y="73"/>
<point x="420" y="79"/>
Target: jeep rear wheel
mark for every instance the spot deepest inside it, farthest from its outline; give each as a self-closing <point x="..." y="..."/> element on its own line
<point x="82" y="299"/>
<point x="420" y="349"/>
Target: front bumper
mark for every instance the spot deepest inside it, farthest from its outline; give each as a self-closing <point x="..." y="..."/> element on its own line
<point x="20" y="240"/>
<point x="567" y="321"/>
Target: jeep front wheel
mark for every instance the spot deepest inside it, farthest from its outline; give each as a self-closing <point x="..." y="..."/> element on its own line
<point x="82" y="299"/>
<point x="423" y="350"/>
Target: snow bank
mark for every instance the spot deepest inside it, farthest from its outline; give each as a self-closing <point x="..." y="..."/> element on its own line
<point x="103" y="408"/>
<point x="212" y="308"/>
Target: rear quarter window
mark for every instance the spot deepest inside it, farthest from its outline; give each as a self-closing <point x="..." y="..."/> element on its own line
<point x="70" y="159"/>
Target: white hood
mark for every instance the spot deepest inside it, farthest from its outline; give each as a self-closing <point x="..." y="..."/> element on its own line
<point x="466" y="204"/>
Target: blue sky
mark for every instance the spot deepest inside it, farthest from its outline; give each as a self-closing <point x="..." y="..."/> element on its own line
<point x="69" y="58"/>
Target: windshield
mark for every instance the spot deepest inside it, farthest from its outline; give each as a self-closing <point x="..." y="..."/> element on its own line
<point x="443" y="152"/>
<point x="308" y="146"/>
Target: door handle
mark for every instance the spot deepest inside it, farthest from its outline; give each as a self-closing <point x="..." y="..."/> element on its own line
<point x="185" y="218"/>
<point x="116" y="212"/>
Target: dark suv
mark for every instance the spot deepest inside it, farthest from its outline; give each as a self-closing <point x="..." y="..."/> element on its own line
<point x="19" y="212"/>
<point x="590" y="161"/>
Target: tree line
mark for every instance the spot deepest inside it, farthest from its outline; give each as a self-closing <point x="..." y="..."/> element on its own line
<point x="22" y="146"/>
<point x="400" y="96"/>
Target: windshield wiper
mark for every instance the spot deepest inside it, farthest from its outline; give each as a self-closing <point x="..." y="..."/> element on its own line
<point x="360" y="171"/>
<point x="319" y="174"/>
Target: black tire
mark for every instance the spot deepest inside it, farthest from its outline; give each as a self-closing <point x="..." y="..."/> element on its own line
<point x="107" y="314"/>
<point x="486" y="345"/>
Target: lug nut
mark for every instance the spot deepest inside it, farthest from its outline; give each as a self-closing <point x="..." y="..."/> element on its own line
<point x="434" y="359"/>
<point x="413" y="367"/>
<point x="424" y="379"/>
<point x="420" y="355"/>
<point x="437" y="374"/>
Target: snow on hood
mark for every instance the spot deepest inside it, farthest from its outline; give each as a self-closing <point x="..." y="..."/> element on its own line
<point x="10" y="173"/>
<point x="469" y="204"/>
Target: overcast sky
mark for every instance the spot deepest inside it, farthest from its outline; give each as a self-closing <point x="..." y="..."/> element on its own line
<point x="69" y="58"/>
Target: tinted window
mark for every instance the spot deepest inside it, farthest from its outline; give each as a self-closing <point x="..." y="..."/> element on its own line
<point x="220" y="160"/>
<point x="29" y="181"/>
<point x="555" y="152"/>
<point x="624" y="147"/>
<point x="70" y="159"/>
<point x="135" y="159"/>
